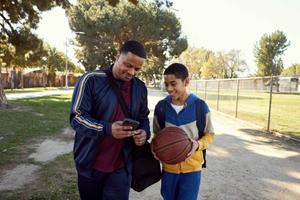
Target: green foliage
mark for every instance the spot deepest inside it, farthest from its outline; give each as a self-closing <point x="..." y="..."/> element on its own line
<point x="18" y="14"/>
<point x="105" y="28"/>
<point x="158" y="2"/>
<point x="31" y="50"/>
<point x="234" y="64"/>
<point x="268" y="51"/>
<point x="292" y="70"/>
<point x="207" y="64"/>
<point x="18" y="18"/>
<point x="194" y="59"/>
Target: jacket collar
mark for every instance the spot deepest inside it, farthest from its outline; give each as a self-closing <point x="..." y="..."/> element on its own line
<point x="190" y="100"/>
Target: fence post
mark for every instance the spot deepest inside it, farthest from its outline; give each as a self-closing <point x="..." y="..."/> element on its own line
<point x="218" y="97"/>
<point x="270" y="104"/>
<point x="237" y="97"/>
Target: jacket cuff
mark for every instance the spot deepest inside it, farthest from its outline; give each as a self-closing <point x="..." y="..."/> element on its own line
<point x="107" y="129"/>
<point x="200" y="145"/>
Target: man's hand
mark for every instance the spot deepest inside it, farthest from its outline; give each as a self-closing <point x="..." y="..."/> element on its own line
<point x="119" y="132"/>
<point x="139" y="137"/>
<point x="195" y="146"/>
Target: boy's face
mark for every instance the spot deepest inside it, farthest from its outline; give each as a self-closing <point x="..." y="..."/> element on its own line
<point x="175" y="86"/>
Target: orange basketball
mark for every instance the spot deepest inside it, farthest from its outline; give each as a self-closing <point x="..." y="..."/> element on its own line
<point x="171" y="145"/>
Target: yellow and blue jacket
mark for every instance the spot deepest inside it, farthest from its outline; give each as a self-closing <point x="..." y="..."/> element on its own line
<point x="195" y="120"/>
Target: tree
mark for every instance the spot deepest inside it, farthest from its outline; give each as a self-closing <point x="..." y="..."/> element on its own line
<point x="207" y="64"/>
<point x="18" y="18"/>
<point x="292" y="70"/>
<point x="105" y="29"/>
<point x="268" y="53"/>
<point x="158" y="2"/>
<point x="234" y="64"/>
<point x="194" y="59"/>
<point x="55" y="61"/>
<point x="211" y="68"/>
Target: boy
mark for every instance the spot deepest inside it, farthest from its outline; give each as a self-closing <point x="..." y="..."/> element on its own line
<point x="182" y="181"/>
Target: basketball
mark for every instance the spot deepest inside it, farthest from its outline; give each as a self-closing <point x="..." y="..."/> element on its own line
<point x="171" y="145"/>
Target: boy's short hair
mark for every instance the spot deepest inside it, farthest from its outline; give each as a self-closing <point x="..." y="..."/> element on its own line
<point x="134" y="47"/>
<point x="178" y="70"/>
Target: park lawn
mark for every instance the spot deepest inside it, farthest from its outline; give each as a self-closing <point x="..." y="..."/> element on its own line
<point x="254" y="107"/>
<point x="55" y="180"/>
<point x="36" y="89"/>
<point x="29" y="120"/>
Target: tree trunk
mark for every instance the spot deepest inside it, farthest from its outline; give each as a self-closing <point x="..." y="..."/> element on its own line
<point x="12" y="77"/>
<point x="3" y="99"/>
<point x="22" y="80"/>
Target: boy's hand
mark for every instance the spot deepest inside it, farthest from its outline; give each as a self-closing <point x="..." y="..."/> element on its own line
<point x="195" y="146"/>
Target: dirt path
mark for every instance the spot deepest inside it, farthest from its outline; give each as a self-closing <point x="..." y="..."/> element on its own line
<point x="243" y="163"/>
<point x="46" y="151"/>
<point x="246" y="164"/>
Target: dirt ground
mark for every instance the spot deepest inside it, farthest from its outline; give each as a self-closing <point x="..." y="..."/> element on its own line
<point x="243" y="162"/>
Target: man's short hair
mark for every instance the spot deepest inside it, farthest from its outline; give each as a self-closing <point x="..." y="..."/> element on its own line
<point x="134" y="47"/>
<point x="178" y="70"/>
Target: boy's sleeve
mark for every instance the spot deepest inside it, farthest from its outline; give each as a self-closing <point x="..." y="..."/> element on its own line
<point x="143" y="114"/>
<point x="209" y="133"/>
<point x="156" y="126"/>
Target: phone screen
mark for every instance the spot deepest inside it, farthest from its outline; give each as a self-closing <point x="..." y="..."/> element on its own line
<point x="130" y="122"/>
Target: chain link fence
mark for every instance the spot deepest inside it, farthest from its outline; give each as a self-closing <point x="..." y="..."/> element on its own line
<point x="271" y="102"/>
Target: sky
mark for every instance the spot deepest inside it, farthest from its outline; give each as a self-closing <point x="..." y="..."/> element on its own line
<point x="217" y="25"/>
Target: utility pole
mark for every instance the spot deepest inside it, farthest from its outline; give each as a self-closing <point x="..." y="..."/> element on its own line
<point x="66" y="78"/>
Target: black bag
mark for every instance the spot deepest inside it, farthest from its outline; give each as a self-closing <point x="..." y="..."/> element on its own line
<point x="145" y="168"/>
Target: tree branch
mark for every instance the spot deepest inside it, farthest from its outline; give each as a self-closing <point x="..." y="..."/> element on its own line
<point x="7" y="21"/>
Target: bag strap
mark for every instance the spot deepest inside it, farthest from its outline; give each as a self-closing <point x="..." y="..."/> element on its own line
<point x="118" y="93"/>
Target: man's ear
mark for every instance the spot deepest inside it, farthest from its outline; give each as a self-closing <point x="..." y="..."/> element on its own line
<point x="117" y="56"/>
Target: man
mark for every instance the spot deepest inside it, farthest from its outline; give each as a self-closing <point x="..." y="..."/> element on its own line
<point x="102" y="148"/>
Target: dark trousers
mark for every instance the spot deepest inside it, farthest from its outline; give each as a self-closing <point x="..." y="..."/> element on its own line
<point x="105" y="186"/>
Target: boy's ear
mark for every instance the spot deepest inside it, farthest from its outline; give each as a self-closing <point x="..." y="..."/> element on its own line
<point x="187" y="81"/>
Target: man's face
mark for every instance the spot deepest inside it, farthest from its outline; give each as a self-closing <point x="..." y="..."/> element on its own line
<point x="127" y="65"/>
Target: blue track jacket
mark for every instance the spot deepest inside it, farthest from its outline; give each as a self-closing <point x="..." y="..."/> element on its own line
<point x="93" y="104"/>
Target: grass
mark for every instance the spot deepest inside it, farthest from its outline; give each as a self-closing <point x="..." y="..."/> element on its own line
<point x="23" y="124"/>
<point x="30" y="119"/>
<point x="36" y="89"/>
<point x="254" y="107"/>
<point x="56" y="180"/>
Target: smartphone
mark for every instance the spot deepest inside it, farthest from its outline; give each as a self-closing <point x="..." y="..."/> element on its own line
<point x="130" y="122"/>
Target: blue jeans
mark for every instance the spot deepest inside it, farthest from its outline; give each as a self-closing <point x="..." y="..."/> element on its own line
<point x="105" y="186"/>
<point x="180" y="186"/>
